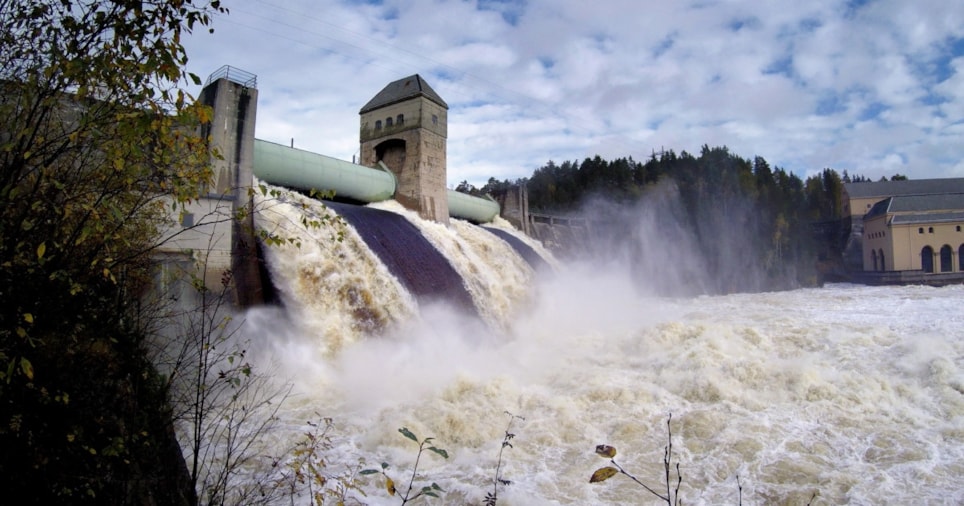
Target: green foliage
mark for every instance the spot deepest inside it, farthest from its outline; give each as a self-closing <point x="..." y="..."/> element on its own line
<point x="97" y="144"/>
<point x="432" y="490"/>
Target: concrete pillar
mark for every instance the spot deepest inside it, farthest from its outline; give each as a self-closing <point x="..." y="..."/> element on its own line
<point x="232" y="95"/>
<point x="514" y="206"/>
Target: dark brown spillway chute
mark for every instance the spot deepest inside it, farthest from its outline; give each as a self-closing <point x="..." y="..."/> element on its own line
<point x="425" y="272"/>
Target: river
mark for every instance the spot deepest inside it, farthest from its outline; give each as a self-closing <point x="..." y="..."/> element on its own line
<point x="843" y="394"/>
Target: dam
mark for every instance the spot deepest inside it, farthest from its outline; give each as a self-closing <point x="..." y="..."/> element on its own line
<point x="407" y="240"/>
<point x="783" y="389"/>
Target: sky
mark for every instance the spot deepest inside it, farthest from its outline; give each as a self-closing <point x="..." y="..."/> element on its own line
<point x="875" y="88"/>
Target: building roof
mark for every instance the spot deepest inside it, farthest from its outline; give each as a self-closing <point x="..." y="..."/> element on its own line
<point x="909" y="187"/>
<point x="921" y="206"/>
<point x="927" y="218"/>
<point x="404" y="89"/>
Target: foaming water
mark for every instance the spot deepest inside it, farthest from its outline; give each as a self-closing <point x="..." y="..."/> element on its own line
<point x="337" y="288"/>
<point x="333" y="286"/>
<point x="813" y="391"/>
<point x="498" y="278"/>
<point x="853" y="394"/>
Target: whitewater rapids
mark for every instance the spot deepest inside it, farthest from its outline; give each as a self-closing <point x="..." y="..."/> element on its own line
<point x="843" y="394"/>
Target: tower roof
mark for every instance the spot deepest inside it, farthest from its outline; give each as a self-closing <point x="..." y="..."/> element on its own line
<point x="403" y="89"/>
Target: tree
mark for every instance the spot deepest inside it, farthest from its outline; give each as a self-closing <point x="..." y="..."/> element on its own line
<point x="220" y="404"/>
<point x="467" y="188"/>
<point x="97" y="145"/>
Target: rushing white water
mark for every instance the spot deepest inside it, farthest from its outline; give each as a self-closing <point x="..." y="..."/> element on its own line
<point x="334" y="287"/>
<point x="853" y="394"/>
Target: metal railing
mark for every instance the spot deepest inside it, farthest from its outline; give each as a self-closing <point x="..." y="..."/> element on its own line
<point x="234" y="74"/>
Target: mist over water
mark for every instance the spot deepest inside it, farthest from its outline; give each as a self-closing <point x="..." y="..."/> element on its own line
<point x="707" y="247"/>
<point x="852" y="393"/>
<point x="650" y="240"/>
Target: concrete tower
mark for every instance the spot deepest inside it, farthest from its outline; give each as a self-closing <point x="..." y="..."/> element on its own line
<point x="233" y="95"/>
<point x="405" y="127"/>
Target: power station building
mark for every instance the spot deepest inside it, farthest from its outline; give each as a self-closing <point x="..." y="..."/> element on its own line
<point x="907" y="231"/>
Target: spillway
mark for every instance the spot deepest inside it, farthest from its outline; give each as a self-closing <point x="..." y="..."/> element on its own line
<point x="399" y="244"/>
<point x="347" y="271"/>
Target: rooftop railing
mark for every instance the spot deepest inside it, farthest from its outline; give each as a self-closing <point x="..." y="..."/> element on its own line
<point x="234" y="74"/>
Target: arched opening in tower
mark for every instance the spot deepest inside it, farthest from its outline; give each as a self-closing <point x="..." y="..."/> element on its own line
<point x="391" y="153"/>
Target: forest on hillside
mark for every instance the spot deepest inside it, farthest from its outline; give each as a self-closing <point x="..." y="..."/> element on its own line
<point x="752" y="226"/>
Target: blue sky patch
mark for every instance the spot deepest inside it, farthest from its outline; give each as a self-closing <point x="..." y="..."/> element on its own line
<point x="664" y="45"/>
<point x="511" y="10"/>
<point x="872" y="111"/>
<point x="829" y="104"/>
<point x="810" y="24"/>
<point x="854" y="5"/>
<point x="783" y="66"/>
<point x="739" y="24"/>
<point x="942" y="70"/>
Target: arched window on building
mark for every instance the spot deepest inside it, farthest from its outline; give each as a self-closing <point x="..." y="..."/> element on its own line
<point x="930" y="230"/>
<point x="378" y="124"/>
<point x="920" y="230"/>
<point x="927" y="259"/>
<point x="960" y="258"/>
<point x="873" y="256"/>
<point x="883" y="265"/>
<point x="947" y="258"/>
<point x="388" y="122"/>
<point x="400" y="120"/>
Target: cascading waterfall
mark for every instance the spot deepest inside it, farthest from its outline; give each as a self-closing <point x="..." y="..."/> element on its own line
<point x="342" y="290"/>
<point x="498" y="278"/>
<point x="399" y="244"/>
<point x="333" y="285"/>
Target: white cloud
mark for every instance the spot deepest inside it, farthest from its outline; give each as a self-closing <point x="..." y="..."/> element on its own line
<point x="567" y="79"/>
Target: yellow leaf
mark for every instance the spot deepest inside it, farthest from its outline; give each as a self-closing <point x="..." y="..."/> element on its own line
<point x="606" y="451"/>
<point x="41" y="250"/>
<point x="27" y="368"/>
<point x="603" y="474"/>
<point x="389" y="486"/>
<point x="27" y="317"/>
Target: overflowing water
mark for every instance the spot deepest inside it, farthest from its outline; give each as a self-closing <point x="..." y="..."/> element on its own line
<point x="837" y="395"/>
